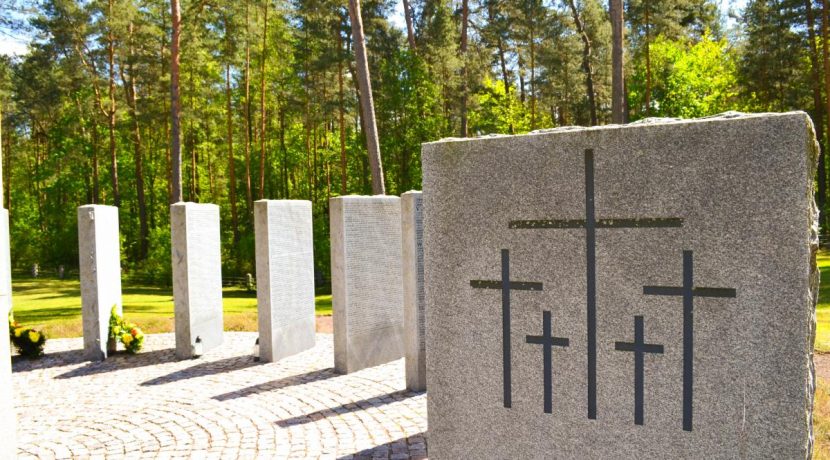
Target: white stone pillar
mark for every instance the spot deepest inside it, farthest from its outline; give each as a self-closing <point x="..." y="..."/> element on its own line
<point x="285" y="277"/>
<point x="197" y="277"/>
<point x="5" y="263"/>
<point x="367" y="290"/>
<point x="412" y="231"/>
<point x="99" y="259"/>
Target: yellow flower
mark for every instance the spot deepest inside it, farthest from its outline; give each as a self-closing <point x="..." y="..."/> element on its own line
<point x="18" y="332"/>
<point x="126" y="338"/>
<point x="116" y="330"/>
<point x="34" y="336"/>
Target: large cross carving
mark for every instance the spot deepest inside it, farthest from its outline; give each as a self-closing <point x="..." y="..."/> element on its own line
<point x="591" y="224"/>
<point x="505" y="284"/>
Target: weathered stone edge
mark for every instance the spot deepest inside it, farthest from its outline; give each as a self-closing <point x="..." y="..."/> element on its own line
<point x="656" y="121"/>
<point x="813" y="225"/>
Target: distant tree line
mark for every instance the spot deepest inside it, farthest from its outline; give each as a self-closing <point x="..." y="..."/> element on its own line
<point x="262" y="98"/>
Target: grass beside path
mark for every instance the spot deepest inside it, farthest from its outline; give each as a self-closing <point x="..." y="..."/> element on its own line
<point x="55" y="306"/>
<point x="823" y="307"/>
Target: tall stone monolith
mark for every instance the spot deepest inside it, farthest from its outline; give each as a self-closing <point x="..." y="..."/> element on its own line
<point x="99" y="260"/>
<point x="285" y="277"/>
<point x="367" y="287"/>
<point x="197" y="277"/>
<point x="412" y="239"/>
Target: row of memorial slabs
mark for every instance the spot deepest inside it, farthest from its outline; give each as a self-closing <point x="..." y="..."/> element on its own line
<point x="377" y="279"/>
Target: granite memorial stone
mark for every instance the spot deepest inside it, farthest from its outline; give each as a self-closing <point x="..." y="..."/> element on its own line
<point x="367" y="289"/>
<point x="639" y="291"/>
<point x="197" y="277"/>
<point x="412" y="232"/>
<point x="285" y="277"/>
<point x="99" y="259"/>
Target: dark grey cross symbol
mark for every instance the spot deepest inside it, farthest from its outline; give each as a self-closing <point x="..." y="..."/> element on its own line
<point x="688" y="291"/>
<point x="548" y="342"/>
<point x="640" y="348"/>
<point x="506" y="285"/>
<point x="591" y="224"/>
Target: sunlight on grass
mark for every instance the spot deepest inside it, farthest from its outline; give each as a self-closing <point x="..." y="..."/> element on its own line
<point x="821" y="421"/>
<point x="55" y="306"/>
<point x="823" y="307"/>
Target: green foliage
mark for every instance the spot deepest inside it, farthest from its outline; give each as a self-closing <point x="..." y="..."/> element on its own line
<point x="269" y="111"/>
<point x="690" y="79"/>
<point x="157" y="268"/>
<point x="497" y="112"/>
<point x="125" y="332"/>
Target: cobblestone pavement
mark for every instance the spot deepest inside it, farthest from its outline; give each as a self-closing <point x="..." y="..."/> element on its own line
<point x="222" y="405"/>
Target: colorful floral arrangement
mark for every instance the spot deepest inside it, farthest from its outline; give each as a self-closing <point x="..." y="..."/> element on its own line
<point x="29" y="342"/>
<point x="126" y="332"/>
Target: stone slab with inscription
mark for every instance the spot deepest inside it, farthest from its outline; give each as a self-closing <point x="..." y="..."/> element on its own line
<point x="412" y="240"/>
<point x="285" y="277"/>
<point x="366" y="284"/>
<point x="99" y="260"/>
<point x="197" y="277"/>
<point x="639" y="291"/>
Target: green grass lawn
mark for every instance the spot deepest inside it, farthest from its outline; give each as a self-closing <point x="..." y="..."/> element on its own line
<point x="55" y="306"/>
<point x="823" y="307"/>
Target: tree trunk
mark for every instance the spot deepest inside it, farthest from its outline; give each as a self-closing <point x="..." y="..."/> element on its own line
<point x="231" y="165"/>
<point x="532" y="74"/>
<point x="286" y="191"/>
<point x="342" y="111"/>
<point x="648" y="63"/>
<point x="168" y="145"/>
<point x="116" y="194"/>
<point x="191" y="141"/>
<point x="821" y="193"/>
<point x="505" y="78"/>
<point x="520" y="70"/>
<point x="262" y="106"/>
<point x="7" y="170"/>
<point x="586" y="61"/>
<point x="96" y="185"/>
<point x="617" y="59"/>
<point x="132" y="104"/>
<point x="462" y="51"/>
<point x="366" y="104"/>
<point x="249" y="196"/>
<point x="175" y="109"/>
<point x="410" y="28"/>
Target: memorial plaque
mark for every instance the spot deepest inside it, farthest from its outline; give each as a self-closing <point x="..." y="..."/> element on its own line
<point x="285" y="277"/>
<point x="197" y="277"/>
<point x="639" y="291"/>
<point x="412" y="237"/>
<point x="99" y="260"/>
<point x="367" y="288"/>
